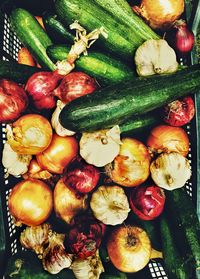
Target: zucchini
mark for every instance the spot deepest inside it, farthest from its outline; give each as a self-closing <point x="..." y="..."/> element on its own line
<point x="175" y="265"/>
<point x="56" y="30"/>
<point x="16" y="72"/>
<point x="122" y="40"/>
<point x="185" y="224"/>
<point x="113" y="105"/>
<point x="32" y="36"/>
<point x="103" y="67"/>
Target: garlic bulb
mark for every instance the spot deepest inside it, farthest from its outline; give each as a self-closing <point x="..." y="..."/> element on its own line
<point x="155" y="57"/>
<point x="16" y="164"/>
<point x="55" y="258"/>
<point x="101" y="147"/>
<point x="59" y="129"/>
<point x="110" y="205"/>
<point x="170" y="171"/>
<point x="90" y="268"/>
<point x="36" y="237"/>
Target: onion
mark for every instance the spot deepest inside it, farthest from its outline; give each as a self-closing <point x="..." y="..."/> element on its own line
<point x="75" y="85"/>
<point x="180" y="37"/>
<point x="58" y="154"/>
<point x="30" y="202"/>
<point x="147" y="202"/>
<point x="40" y="88"/>
<point x="81" y="176"/>
<point x="30" y="134"/>
<point x="160" y="14"/>
<point x="13" y="101"/>
<point x="164" y="138"/>
<point x="67" y="203"/>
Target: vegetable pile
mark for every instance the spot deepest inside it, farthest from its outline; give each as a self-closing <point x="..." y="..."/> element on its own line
<point x="96" y="135"/>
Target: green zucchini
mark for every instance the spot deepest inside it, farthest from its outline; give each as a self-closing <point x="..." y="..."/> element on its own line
<point x="16" y="72"/>
<point x="104" y="68"/>
<point x="185" y="224"/>
<point x="114" y="104"/>
<point x="56" y="30"/>
<point x="175" y="265"/>
<point x="32" y="36"/>
<point x="122" y="40"/>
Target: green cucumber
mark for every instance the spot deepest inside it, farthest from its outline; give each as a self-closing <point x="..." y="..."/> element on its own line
<point x="56" y="30"/>
<point x="121" y="40"/>
<point x="115" y="104"/>
<point x="16" y="72"/>
<point x="175" y="264"/>
<point x="104" y="68"/>
<point x="185" y="224"/>
<point x="32" y="36"/>
<point x="139" y="124"/>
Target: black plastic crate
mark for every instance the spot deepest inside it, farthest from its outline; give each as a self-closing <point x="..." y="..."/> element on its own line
<point x="9" y="234"/>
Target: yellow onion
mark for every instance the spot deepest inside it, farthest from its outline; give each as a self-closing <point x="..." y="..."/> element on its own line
<point x="165" y="138"/>
<point x="30" y="202"/>
<point x="30" y="134"/>
<point x="129" y="248"/>
<point x="131" y="167"/>
<point x="160" y="14"/>
<point x="67" y="203"/>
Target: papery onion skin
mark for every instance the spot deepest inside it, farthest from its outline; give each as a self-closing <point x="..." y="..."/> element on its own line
<point x="160" y="14"/>
<point x="165" y="138"/>
<point x="131" y="167"/>
<point x="58" y="154"/>
<point x="180" y="37"/>
<point x="147" y="202"/>
<point x="30" y="202"/>
<point x="30" y="134"/>
<point x="67" y="202"/>
<point x="13" y="101"/>
<point x="75" y="85"/>
<point x="81" y="176"/>
<point x="40" y="88"/>
<point x="179" y="112"/>
<point x="129" y="248"/>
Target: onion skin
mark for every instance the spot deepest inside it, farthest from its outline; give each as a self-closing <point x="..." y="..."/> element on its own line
<point x="13" y="101"/>
<point x="81" y="176"/>
<point x="30" y="202"/>
<point x="160" y="14"/>
<point x="31" y="134"/>
<point x="40" y="88"/>
<point x="58" y="154"/>
<point x="131" y="167"/>
<point x="75" y="85"/>
<point x="147" y="202"/>
<point x="179" y="112"/>
<point x="165" y="138"/>
<point x="129" y="248"/>
<point x="67" y="204"/>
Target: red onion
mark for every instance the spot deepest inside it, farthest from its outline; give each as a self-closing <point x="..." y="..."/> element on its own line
<point x="13" y="101"/>
<point x="81" y="176"/>
<point x="40" y="88"/>
<point x="180" y="37"/>
<point x="147" y="202"/>
<point x="85" y="236"/>
<point x="75" y="85"/>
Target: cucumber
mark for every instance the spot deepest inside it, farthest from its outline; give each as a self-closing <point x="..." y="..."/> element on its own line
<point x="175" y="265"/>
<point x="121" y="40"/>
<point x="56" y="30"/>
<point x="104" y="68"/>
<point x="185" y="224"/>
<point x="114" y="104"/>
<point x="16" y="72"/>
<point x="32" y="36"/>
